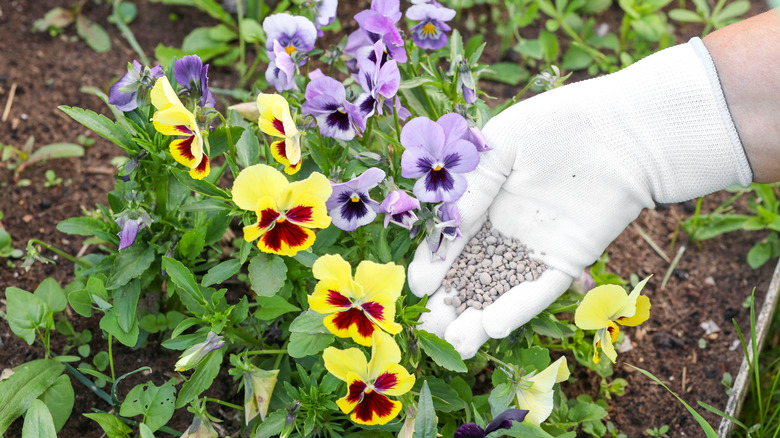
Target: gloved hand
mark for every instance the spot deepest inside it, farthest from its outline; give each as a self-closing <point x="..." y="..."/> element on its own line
<point x="572" y="167"/>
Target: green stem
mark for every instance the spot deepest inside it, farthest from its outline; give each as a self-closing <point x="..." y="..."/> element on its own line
<point x="252" y="69"/>
<point x="224" y="403"/>
<point x="259" y="352"/>
<point x="111" y="356"/>
<point x="238" y="331"/>
<point x="82" y="263"/>
<point x="241" y="43"/>
<point x="367" y="133"/>
<point x="496" y="360"/>
<point x="128" y="34"/>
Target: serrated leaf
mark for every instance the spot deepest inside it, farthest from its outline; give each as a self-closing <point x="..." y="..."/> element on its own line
<point x="38" y="422"/>
<point x="155" y="403"/>
<point x="267" y="274"/>
<point x="200" y="186"/>
<point x="303" y="344"/>
<point x="130" y="263"/>
<point x="29" y="381"/>
<point x="102" y="126"/>
<point x="441" y="352"/>
<point x="183" y="278"/>
<point x="27" y="313"/>
<point x="201" y="379"/>
<point x="192" y="242"/>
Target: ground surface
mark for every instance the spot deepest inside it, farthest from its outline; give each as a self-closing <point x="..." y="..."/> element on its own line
<point x="711" y="282"/>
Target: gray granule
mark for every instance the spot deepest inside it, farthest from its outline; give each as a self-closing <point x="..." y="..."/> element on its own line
<point x="488" y="267"/>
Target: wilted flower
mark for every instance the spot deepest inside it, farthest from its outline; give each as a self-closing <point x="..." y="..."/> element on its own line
<point x="604" y="307"/>
<point x="502" y="421"/>
<point x="200" y="428"/>
<point x="350" y="206"/>
<point x="191" y="356"/>
<point x="379" y="81"/>
<point x="286" y="211"/>
<point x="437" y="154"/>
<point x="429" y="32"/>
<point x="583" y="283"/>
<point x="258" y="387"/>
<point x="361" y="307"/>
<point x="444" y="228"/>
<point x="326" y="100"/>
<point x="535" y="391"/>
<point x="293" y="32"/>
<point x="130" y="222"/>
<point x="192" y="77"/>
<point x="132" y="89"/>
<point x="399" y="208"/>
<point x="275" y="120"/>
<point x="370" y="384"/>
<point x="326" y="14"/>
<point x="172" y="118"/>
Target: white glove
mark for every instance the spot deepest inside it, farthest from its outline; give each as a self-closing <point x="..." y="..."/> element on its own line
<point x="572" y="167"/>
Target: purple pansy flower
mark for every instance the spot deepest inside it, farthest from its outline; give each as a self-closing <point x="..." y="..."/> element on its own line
<point x="326" y="100"/>
<point x="350" y="206"/>
<point x="293" y="32"/>
<point x="429" y="32"/>
<point x="502" y="421"/>
<point x="437" y="153"/>
<point x="130" y="222"/>
<point x="377" y="24"/>
<point x="326" y="14"/>
<point x="399" y="209"/>
<point x="281" y="70"/>
<point x="444" y="228"/>
<point x="379" y="81"/>
<point x="132" y="89"/>
<point x="193" y="79"/>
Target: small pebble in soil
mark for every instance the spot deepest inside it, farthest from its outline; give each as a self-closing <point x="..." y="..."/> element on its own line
<point x="489" y="266"/>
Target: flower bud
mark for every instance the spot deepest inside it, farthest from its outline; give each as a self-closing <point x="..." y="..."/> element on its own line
<point x="193" y="355"/>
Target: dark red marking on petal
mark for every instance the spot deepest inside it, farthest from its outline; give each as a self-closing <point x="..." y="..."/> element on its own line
<point x="287" y="232"/>
<point x="374" y="310"/>
<point x="185" y="148"/>
<point x="184" y="129"/>
<point x="278" y="125"/>
<point x="204" y="163"/>
<point x="385" y="381"/>
<point x="373" y="403"/>
<point x="281" y="149"/>
<point x="335" y="298"/>
<point x="355" y="392"/>
<point x="354" y="316"/>
<point x="301" y="213"/>
<point x="267" y="218"/>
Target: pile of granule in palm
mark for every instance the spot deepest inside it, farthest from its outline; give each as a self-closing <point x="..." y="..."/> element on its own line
<point x="489" y="266"/>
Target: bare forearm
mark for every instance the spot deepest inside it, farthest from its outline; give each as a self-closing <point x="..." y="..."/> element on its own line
<point x="747" y="58"/>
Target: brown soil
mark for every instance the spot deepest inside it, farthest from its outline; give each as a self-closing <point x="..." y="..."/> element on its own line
<point x="711" y="282"/>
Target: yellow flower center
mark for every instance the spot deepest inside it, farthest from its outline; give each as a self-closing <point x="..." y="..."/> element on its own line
<point x="429" y="29"/>
<point x="438" y="167"/>
<point x="290" y="49"/>
<point x="355" y="198"/>
<point x="281" y="219"/>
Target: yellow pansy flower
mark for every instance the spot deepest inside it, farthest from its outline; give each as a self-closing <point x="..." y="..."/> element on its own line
<point x="604" y="307"/>
<point x="286" y="211"/>
<point x="370" y="383"/>
<point x="535" y="393"/>
<point x="361" y="306"/>
<point x="276" y="121"/>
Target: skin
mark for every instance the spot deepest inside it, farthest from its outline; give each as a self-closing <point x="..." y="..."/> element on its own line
<point x="747" y="58"/>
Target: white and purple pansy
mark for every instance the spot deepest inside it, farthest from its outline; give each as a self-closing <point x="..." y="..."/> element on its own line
<point x="134" y="86"/>
<point x="378" y="24"/>
<point x="445" y="228"/>
<point x="281" y="70"/>
<point x="293" y="32"/>
<point x="326" y="101"/>
<point x="437" y="153"/>
<point x="326" y="14"/>
<point x="350" y="206"/>
<point x="399" y="208"/>
<point x="429" y="33"/>
<point x="379" y="81"/>
<point x="192" y="77"/>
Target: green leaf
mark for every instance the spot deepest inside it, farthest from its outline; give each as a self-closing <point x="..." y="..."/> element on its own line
<point x="247" y="149"/>
<point x="576" y="58"/>
<point x="38" y="422"/>
<point x="130" y="263"/>
<point x="199" y="185"/>
<point x="28" y="382"/>
<point x="441" y="351"/>
<point x="110" y="324"/>
<point x="305" y="344"/>
<point x="27" y="313"/>
<point x="221" y="272"/>
<point x="587" y="412"/>
<point x="155" y="403"/>
<point x="685" y="15"/>
<point x="445" y="397"/>
<point x="145" y="431"/>
<point x="183" y="278"/>
<point x="82" y="226"/>
<point x="273" y="307"/>
<point x="201" y="380"/>
<point x="59" y="398"/>
<point x="216" y="226"/>
<point x="521" y="430"/>
<point x="213" y="8"/>
<point x="52" y="294"/>
<point x="80" y="302"/>
<point x="416" y="82"/>
<point x="54" y="150"/>
<point x="252" y="31"/>
<point x="93" y="34"/>
<point x="272" y="425"/>
<point x="549" y="44"/>
<point x="306" y="258"/>
<point x="506" y="73"/>
<point x="57" y="18"/>
<point x="309" y="322"/>
<point x="192" y="242"/>
<point x="101" y="125"/>
<point x="708" y="430"/>
<point x="733" y="10"/>
<point x="759" y="254"/>
<point x="126" y="303"/>
<point x="111" y="425"/>
<point x="425" y="422"/>
<point x="267" y="273"/>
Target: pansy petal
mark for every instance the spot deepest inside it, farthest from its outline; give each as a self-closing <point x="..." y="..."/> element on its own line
<point x="598" y="306"/>
<point x="181" y="150"/>
<point x="375" y="408"/>
<point x="202" y="169"/>
<point x="608" y="348"/>
<point x="380" y="281"/>
<point x="423" y="132"/>
<point x="460" y="156"/>
<point x="257" y="182"/>
<point x="454" y="125"/>
<point x="629" y="308"/>
<point x="351" y="216"/>
<point x="268" y="122"/>
<point x="330" y="296"/>
<point x="504" y="420"/>
<point x="351" y="323"/>
<point x="332" y="267"/>
<point x="286" y="238"/>
<point x="252" y="232"/>
<point x="356" y="387"/>
<point x="642" y="313"/>
<point x="538" y="404"/>
<point x="341" y="362"/>
<point x="556" y="372"/>
<point x="163" y="95"/>
<point x="394" y="381"/>
<point x="440" y="186"/>
<point x="174" y="120"/>
<point x="384" y="353"/>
